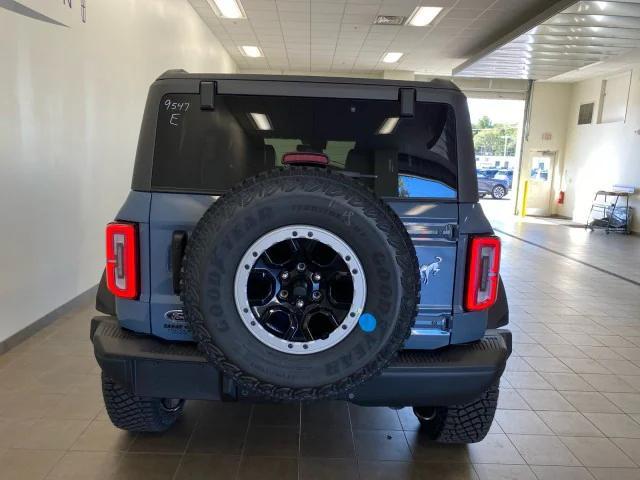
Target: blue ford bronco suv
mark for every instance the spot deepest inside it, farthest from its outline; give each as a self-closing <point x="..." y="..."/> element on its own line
<point x="297" y="239"/>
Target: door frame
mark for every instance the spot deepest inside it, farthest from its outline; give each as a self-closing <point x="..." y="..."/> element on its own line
<point x="551" y="175"/>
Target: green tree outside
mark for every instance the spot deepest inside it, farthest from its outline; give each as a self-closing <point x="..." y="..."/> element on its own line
<point x="491" y="139"/>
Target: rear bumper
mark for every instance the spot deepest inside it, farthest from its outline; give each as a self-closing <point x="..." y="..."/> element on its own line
<point x="150" y="367"/>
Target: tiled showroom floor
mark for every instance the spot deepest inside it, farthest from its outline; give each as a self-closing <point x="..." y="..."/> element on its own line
<point x="569" y="403"/>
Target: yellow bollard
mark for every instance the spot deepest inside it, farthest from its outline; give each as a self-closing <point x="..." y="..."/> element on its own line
<point x="525" y="193"/>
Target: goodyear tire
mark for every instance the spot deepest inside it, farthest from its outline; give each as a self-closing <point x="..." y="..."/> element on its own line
<point x="342" y="257"/>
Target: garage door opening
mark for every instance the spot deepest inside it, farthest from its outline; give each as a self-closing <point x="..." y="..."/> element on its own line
<point x="497" y="135"/>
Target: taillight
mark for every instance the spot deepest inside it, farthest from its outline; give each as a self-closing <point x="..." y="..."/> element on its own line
<point x="122" y="260"/>
<point x="482" y="273"/>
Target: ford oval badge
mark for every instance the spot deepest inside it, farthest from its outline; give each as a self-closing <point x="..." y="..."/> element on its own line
<point x="174" y="315"/>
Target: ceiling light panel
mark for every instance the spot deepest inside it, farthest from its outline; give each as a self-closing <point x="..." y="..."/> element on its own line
<point x="251" y="51"/>
<point x="227" y="8"/>
<point x="423" y="16"/>
<point x="583" y="35"/>
<point x="392" y="57"/>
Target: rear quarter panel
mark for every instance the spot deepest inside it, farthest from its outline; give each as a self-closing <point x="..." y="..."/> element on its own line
<point x="439" y="230"/>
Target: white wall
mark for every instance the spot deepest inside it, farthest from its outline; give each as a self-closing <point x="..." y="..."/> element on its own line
<point x="71" y="104"/>
<point x="600" y="155"/>
<point x="549" y="116"/>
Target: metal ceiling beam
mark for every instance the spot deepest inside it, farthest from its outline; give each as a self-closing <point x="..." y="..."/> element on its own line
<point x="516" y="54"/>
<point x="519" y="68"/>
<point x="623" y="9"/>
<point x="593" y="21"/>
<point x="595" y="32"/>
<point x="582" y="41"/>
<point x="541" y="62"/>
<point x="537" y="20"/>
<point x="555" y="47"/>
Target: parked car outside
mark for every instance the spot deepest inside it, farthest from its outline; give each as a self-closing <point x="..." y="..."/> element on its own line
<point x="497" y="186"/>
<point x="505" y="174"/>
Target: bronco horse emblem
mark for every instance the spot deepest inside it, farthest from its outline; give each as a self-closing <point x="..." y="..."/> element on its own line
<point x="430" y="270"/>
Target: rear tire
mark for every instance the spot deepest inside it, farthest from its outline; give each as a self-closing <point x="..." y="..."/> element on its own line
<point x="138" y="414"/>
<point x="468" y="423"/>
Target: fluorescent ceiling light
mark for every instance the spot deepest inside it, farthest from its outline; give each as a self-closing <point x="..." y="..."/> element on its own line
<point x="392" y="57"/>
<point x="251" y="51"/>
<point x="388" y="125"/>
<point x="262" y="121"/>
<point x="227" y="8"/>
<point x="423" y="16"/>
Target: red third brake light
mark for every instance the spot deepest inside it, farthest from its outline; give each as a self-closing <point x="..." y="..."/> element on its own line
<point x="122" y="260"/>
<point x="482" y="273"/>
<point x="305" y="158"/>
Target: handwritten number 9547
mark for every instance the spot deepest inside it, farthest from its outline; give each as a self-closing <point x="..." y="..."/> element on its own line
<point x="170" y="105"/>
<point x="177" y="108"/>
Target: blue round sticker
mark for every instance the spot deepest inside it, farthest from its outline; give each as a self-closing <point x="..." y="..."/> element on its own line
<point x="367" y="322"/>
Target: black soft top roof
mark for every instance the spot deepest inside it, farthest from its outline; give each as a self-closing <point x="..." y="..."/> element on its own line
<point x="436" y="83"/>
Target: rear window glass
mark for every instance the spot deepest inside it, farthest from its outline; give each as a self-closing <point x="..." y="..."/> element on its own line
<point x="210" y="151"/>
<point x="410" y="186"/>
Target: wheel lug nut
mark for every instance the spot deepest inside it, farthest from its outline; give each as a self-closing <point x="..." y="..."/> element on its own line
<point x="316" y="295"/>
<point x="284" y="275"/>
<point x="301" y="267"/>
<point x="299" y="303"/>
<point x="316" y="277"/>
<point x="283" y="294"/>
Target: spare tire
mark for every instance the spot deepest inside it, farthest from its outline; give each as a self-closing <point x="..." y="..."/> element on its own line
<point x="300" y="283"/>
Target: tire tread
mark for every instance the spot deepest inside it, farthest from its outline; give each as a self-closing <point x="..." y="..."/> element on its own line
<point x="288" y="179"/>
<point x="468" y="423"/>
<point x="135" y="414"/>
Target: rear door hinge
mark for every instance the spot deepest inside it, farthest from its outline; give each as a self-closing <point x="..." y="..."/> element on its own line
<point x="207" y="95"/>
<point x="178" y="246"/>
<point x="407" y="98"/>
<point x="450" y="231"/>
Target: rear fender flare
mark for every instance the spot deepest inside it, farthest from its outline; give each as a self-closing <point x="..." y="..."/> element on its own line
<point x="105" y="300"/>
<point x="498" y="314"/>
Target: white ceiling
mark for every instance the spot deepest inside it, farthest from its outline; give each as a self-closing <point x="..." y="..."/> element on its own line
<point x="339" y="36"/>
<point x="611" y="66"/>
<point x="586" y="39"/>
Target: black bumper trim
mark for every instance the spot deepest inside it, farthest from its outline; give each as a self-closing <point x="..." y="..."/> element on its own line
<point x="150" y="367"/>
